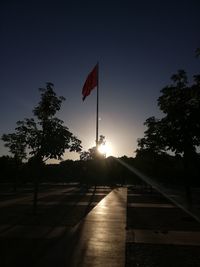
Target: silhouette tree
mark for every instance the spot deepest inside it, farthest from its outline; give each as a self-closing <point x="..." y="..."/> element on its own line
<point x="17" y="146"/>
<point x="93" y="152"/>
<point x="197" y="52"/>
<point x="152" y="141"/>
<point x="102" y="140"/>
<point x="45" y="137"/>
<point x="179" y="129"/>
<point x="16" y="143"/>
<point x="181" y="105"/>
<point x="88" y="155"/>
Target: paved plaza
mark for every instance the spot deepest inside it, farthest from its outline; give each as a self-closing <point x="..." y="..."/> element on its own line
<point x="160" y="233"/>
<point x="96" y="226"/>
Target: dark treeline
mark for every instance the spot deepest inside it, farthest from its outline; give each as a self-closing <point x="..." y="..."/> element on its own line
<point x="164" y="168"/>
<point x="167" y="169"/>
<point x="102" y="171"/>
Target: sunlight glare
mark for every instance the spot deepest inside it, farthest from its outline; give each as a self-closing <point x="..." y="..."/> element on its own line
<point x="105" y="149"/>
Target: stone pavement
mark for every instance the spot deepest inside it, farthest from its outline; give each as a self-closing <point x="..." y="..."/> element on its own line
<point x="159" y="233"/>
<point x="77" y="227"/>
<point x="49" y="237"/>
<point x="102" y="233"/>
<point x="98" y="240"/>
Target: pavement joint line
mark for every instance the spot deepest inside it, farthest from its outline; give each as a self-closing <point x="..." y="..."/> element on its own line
<point x="87" y="194"/>
<point x="80" y="203"/>
<point x="187" y="238"/>
<point x="146" y="195"/>
<point x="150" y="205"/>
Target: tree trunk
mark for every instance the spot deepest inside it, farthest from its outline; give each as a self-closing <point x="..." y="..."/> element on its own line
<point x="37" y="164"/>
<point x="35" y="194"/>
<point x="15" y="183"/>
<point x="188" y="158"/>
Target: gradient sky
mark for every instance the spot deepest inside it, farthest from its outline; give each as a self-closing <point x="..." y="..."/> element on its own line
<point x="139" y="45"/>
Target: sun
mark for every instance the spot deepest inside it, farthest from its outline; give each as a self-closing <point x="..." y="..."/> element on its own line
<point x="105" y="149"/>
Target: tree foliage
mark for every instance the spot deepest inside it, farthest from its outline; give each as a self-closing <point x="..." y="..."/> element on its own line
<point x="93" y="152"/>
<point x="17" y="145"/>
<point x="44" y="136"/>
<point x="197" y="52"/>
<point x="179" y="129"/>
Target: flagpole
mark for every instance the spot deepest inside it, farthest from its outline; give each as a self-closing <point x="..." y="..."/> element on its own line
<point x="97" y="112"/>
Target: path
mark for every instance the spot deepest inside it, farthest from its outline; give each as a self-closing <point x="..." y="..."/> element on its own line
<point x="98" y="240"/>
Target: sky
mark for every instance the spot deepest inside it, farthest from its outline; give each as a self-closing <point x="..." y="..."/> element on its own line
<point x="138" y="44"/>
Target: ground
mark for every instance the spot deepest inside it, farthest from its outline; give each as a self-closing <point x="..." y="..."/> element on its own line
<point x="158" y="233"/>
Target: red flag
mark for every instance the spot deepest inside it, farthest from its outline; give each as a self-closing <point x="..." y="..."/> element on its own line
<point x="91" y="82"/>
